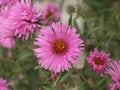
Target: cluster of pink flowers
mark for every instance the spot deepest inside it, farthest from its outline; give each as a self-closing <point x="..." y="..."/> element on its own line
<point x="4" y="85"/>
<point x="17" y="21"/>
<point x="21" y="18"/>
<point x="102" y="64"/>
<point x="58" y="45"/>
<point x="25" y="17"/>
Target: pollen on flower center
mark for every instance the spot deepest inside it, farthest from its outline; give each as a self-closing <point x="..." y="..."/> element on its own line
<point x="98" y="61"/>
<point x="60" y="46"/>
<point x="49" y="14"/>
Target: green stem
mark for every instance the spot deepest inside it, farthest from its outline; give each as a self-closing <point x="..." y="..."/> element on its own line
<point x="82" y="76"/>
<point x="55" y="84"/>
<point x="100" y="82"/>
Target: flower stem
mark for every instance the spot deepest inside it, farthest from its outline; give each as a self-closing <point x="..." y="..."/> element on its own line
<point x="99" y="82"/>
<point x="82" y="76"/>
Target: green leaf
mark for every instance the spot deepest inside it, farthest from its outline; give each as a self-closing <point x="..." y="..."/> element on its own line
<point x="70" y="20"/>
<point x="76" y="25"/>
<point x="37" y="67"/>
<point x="48" y="88"/>
<point x="101" y="22"/>
<point x="96" y="4"/>
<point x="62" y="3"/>
<point x="92" y="31"/>
<point x="24" y="56"/>
<point x="66" y="76"/>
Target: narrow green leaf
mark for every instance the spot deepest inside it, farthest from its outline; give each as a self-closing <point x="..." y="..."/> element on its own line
<point x="24" y="55"/>
<point x="66" y="76"/>
<point x="70" y="20"/>
<point x="76" y="26"/>
<point x="37" y="67"/>
<point x="48" y="88"/>
<point x="101" y="22"/>
<point x="62" y="3"/>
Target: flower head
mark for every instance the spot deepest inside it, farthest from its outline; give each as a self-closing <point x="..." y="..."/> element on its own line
<point x="6" y="29"/>
<point x="98" y="61"/>
<point x="114" y="71"/>
<point x="52" y="12"/>
<point x="25" y="17"/>
<point x="59" y="47"/>
<point x="3" y="84"/>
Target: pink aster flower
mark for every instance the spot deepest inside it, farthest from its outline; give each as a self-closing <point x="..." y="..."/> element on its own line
<point x="6" y="29"/>
<point x="98" y="61"/>
<point x="52" y="12"/>
<point x="21" y="76"/>
<point x="114" y="71"/>
<point x="3" y="84"/>
<point x="59" y="47"/>
<point x="25" y="17"/>
<point x="7" y="2"/>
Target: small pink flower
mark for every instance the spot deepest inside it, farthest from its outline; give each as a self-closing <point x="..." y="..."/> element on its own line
<point x="3" y="84"/>
<point x="114" y="71"/>
<point x="21" y="76"/>
<point x="11" y="83"/>
<point x="54" y="76"/>
<point x="6" y="29"/>
<point x="52" y="12"/>
<point x="59" y="47"/>
<point x="98" y="61"/>
<point x="25" y="18"/>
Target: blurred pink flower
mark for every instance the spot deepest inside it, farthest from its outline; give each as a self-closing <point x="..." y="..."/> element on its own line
<point x="52" y="12"/>
<point x="114" y="86"/>
<point x="6" y="29"/>
<point x="59" y="47"/>
<point x="98" y="61"/>
<point x="114" y="71"/>
<point x="11" y="83"/>
<point x="25" y="17"/>
<point x="7" y="2"/>
<point x="54" y="76"/>
<point x="21" y="76"/>
<point x="3" y="84"/>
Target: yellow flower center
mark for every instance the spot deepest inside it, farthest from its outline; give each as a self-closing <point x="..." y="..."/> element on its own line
<point x="60" y="46"/>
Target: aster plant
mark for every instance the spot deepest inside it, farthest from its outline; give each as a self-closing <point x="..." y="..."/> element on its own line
<point x="59" y="46"/>
<point x="52" y="13"/>
<point x="25" y="17"/>
<point x="98" y="61"/>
